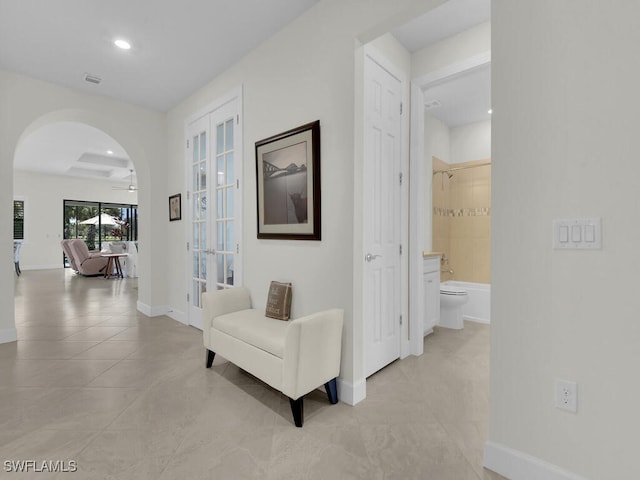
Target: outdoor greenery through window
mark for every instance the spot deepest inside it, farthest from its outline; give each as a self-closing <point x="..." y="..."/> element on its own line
<point x="18" y="219"/>
<point x="96" y="222"/>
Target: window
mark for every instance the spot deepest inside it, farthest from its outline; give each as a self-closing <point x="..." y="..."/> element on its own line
<point x="18" y="219"/>
<point x="96" y="222"/>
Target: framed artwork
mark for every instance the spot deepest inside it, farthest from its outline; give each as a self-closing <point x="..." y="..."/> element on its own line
<point x="288" y="184"/>
<point x="175" y="207"/>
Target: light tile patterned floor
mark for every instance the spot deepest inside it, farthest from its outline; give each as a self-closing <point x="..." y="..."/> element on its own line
<point x="128" y="397"/>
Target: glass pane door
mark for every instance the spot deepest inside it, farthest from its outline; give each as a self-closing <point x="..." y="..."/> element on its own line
<point x="213" y="146"/>
<point x="225" y="195"/>
<point x="199" y="217"/>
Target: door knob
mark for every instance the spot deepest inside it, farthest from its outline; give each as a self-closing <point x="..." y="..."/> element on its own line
<point x="369" y="258"/>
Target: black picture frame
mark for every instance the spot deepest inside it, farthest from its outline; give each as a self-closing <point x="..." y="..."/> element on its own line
<point x="175" y="207"/>
<point x="288" y="184"/>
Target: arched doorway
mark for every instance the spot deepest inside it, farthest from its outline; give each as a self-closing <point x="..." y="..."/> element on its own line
<point x="119" y="127"/>
<point x="81" y="169"/>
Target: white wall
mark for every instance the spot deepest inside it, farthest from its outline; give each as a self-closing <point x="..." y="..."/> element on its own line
<point x="44" y="195"/>
<point x="438" y="140"/>
<point x="471" y="142"/>
<point x="573" y="315"/>
<point x="437" y="143"/>
<point x="451" y="50"/>
<point x="25" y="105"/>
<point x="458" y="144"/>
<point x="305" y="72"/>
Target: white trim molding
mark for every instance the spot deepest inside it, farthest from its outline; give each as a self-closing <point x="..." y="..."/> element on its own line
<point x="157" y="311"/>
<point x="177" y="315"/>
<point x="351" y="393"/>
<point x="150" y="311"/>
<point x="469" y="318"/>
<point x="41" y="267"/>
<point x="8" y="335"/>
<point x="417" y="219"/>
<point x="518" y="465"/>
<point x="454" y="70"/>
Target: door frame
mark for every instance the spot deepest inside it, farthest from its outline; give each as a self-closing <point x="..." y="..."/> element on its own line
<point x="420" y="184"/>
<point x="234" y="95"/>
<point x="375" y="55"/>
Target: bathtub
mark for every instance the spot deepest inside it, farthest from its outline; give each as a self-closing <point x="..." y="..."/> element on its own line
<point x="478" y="308"/>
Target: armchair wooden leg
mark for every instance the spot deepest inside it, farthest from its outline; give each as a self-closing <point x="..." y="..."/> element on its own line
<point x="210" y="356"/>
<point x="332" y="391"/>
<point x="297" y="411"/>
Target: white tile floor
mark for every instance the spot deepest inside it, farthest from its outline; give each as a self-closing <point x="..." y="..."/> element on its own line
<point x="128" y="397"/>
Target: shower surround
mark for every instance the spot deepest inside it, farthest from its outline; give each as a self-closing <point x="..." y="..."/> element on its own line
<point x="462" y="219"/>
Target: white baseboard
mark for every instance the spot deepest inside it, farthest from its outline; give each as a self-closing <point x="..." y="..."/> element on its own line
<point x="517" y="465"/>
<point x="41" y="267"/>
<point x="351" y="393"/>
<point x="150" y="311"/>
<point x="177" y="315"/>
<point x="144" y="308"/>
<point x="8" y="335"/>
<point x="469" y="318"/>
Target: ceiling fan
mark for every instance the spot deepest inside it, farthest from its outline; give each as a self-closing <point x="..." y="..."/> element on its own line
<point x="131" y="188"/>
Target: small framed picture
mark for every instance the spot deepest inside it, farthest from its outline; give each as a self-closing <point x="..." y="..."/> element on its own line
<point x="288" y="184"/>
<point x="175" y="207"/>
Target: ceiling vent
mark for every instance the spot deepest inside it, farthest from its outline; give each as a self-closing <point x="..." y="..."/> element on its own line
<point x="92" y="79"/>
<point x="428" y="104"/>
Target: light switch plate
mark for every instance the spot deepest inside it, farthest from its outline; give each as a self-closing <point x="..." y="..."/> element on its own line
<point x="577" y="234"/>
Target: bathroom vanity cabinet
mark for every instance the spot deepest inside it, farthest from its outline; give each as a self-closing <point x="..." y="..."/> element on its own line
<point x="431" y="274"/>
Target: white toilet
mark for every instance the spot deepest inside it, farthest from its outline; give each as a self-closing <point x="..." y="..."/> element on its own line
<point x="451" y="301"/>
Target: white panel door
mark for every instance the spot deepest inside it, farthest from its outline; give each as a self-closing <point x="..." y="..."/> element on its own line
<point x="382" y="204"/>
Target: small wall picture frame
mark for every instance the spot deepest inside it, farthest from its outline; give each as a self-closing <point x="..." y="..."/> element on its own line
<point x="175" y="207"/>
<point x="288" y="184"/>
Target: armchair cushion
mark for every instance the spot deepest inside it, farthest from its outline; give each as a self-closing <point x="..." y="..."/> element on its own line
<point x="252" y="327"/>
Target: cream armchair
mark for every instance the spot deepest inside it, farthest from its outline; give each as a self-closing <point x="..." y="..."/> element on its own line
<point x="294" y="357"/>
<point x="82" y="260"/>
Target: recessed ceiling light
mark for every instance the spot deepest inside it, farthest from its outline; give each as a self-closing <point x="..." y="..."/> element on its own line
<point x="109" y="152"/>
<point x="123" y="44"/>
<point x="490" y="111"/>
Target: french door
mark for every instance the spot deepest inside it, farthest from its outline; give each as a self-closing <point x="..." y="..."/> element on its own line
<point x="214" y="204"/>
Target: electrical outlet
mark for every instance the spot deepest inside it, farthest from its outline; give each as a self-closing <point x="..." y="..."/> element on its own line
<point x="567" y="395"/>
